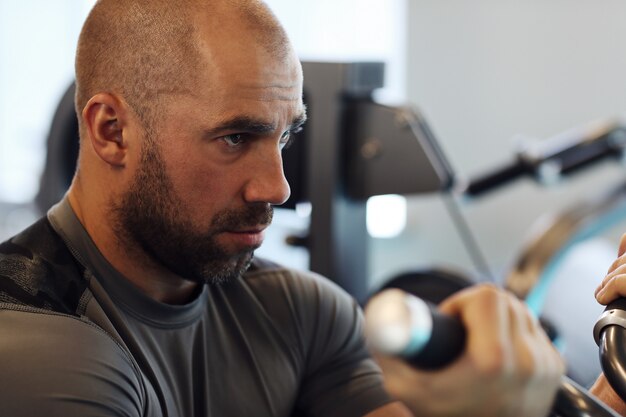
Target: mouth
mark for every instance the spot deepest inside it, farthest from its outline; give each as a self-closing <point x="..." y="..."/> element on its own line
<point x="248" y="238"/>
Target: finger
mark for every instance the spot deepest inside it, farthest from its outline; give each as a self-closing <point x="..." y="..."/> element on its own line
<point x="538" y="365"/>
<point x="620" y="260"/>
<point x="529" y="369"/>
<point x="532" y="325"/>
<point x="484" y="312"/>
<point x="615" y="265"/>
<point x="546" y="356"/>
<point x="522" y="333"/>
<point x="622" y="245"/>
<point x="526" y="356"/>
<point x="621" y="269"/>
<point x="613" y="289"/>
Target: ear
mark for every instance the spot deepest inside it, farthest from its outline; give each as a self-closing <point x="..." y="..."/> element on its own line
<point x="106" y="118"/>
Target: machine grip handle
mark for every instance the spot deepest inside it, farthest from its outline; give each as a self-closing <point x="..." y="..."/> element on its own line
<point x="401" y="324"/>
<point x="619" y="304"/>
<point x="446" y="343"/>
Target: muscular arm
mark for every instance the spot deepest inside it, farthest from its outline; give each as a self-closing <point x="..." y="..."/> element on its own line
<point x="61" y="366"/>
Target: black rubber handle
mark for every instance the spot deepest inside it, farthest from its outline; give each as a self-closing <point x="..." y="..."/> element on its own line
<point x="446" y="343"/>
<point x="619" y="304"/>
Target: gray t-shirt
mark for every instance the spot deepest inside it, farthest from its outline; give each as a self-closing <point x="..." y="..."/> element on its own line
<point x="274" y="343"/>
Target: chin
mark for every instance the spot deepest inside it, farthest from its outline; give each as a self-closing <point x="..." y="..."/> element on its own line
<point x="219" y="273"/>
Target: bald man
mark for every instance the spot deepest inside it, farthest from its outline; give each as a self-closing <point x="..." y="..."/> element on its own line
<point x="138" y="295"/>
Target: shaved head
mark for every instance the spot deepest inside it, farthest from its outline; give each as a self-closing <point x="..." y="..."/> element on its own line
<point x="147" y="50"/>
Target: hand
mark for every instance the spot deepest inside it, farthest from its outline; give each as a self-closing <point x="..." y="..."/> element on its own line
<point x="613" y="285"/>
<point x="509" y="367"/>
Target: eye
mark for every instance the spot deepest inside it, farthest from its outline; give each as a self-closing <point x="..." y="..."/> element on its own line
<point x="234" y="140"/>
<point x="287" y="139"/>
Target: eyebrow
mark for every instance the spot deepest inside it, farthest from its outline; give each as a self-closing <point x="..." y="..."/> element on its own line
<point x="243" y="124"/>
<point x="250" y="125"/>
<point x="298" y="121"/>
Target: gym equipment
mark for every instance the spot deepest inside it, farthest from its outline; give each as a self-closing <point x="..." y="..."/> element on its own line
<point x="409" y="326"/>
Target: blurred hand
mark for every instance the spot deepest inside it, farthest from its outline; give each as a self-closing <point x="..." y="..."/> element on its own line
<point x="614" y="283"/>
<point x="509" y="367"/>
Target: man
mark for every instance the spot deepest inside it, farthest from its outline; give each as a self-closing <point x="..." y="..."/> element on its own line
<point x="138" y="294"/>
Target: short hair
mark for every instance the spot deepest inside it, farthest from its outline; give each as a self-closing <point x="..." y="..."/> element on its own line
<point x="139" y="49"/>
<point x="146" y="49"/>
<point x="269" y="31"/>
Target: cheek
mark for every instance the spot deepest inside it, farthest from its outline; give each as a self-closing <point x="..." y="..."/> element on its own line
<point x="203" y="183"/>
<point x="204" y="190"/>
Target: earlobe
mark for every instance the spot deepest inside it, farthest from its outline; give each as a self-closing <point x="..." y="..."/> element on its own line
<point x="104" y="117"/>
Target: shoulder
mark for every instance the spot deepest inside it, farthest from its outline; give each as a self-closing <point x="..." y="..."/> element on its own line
<point x="38" y="270"/>
<point x="26" y="332"/>
<point x="64" y="365"/>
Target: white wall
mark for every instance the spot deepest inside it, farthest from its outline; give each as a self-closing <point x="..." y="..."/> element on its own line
<point x="349" y="30"/>
<point x="485" y="70"/>
<point x="37" y="43"/>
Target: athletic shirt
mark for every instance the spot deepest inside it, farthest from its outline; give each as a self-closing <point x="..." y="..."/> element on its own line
<point x="78" y="339"/>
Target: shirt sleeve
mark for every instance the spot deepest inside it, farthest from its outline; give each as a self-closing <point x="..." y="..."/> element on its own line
<point x="341" y="378"/>
<point x="59" y="366"/>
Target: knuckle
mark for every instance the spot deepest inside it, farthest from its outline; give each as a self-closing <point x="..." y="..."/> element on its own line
<point x="619" y="270"/>
<point x="490" y="294"/>
<point x="616" y="283"/>
<point x="617" y="263"/>
<point x="610" y="284"/>
<point x="614" y="265"/>
<point x="495" y="362"/>
<point x="622" y="240"/>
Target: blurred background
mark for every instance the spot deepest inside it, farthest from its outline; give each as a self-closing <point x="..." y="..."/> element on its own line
<point x="483" y="73"/>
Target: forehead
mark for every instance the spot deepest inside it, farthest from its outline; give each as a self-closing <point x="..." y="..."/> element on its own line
<point x="263" y="96"/>
<point x="252" y="68"/>
<point x="248" y="79"/>
<point x="238" y="72"/>
<point x="240" y="52"/>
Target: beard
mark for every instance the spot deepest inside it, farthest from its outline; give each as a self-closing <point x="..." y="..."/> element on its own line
<point x="149" y="215"/>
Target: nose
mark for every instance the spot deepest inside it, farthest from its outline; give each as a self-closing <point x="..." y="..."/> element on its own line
<point x="267" y="182"/>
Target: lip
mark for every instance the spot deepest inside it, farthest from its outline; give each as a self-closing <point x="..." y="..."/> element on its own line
<point x="251" y="238"/>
